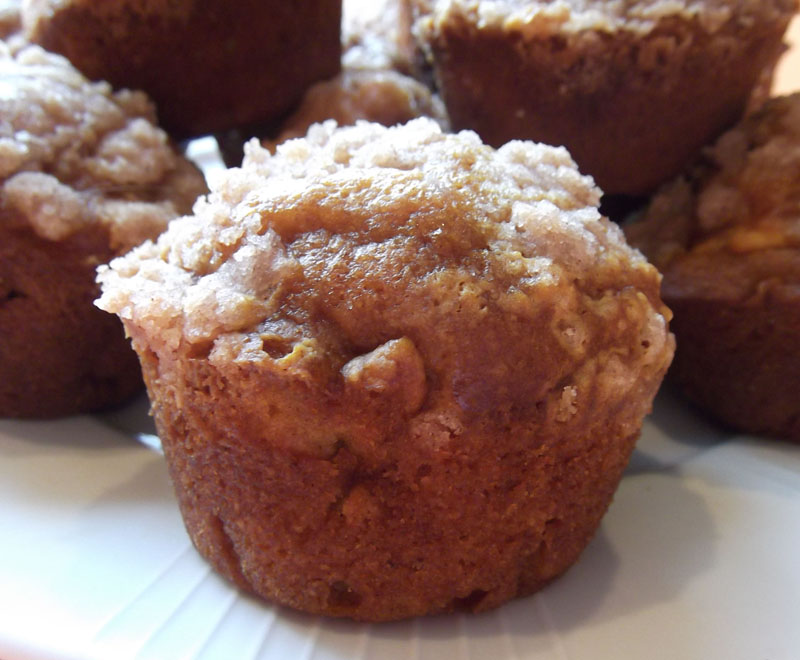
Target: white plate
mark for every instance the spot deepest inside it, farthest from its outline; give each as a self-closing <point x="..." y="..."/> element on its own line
<point x="697" y="558"/>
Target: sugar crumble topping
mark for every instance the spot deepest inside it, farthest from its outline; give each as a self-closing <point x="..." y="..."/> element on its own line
<point x="74" y="153"/>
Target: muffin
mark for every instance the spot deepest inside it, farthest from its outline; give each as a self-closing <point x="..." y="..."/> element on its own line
<point x="395" y="372"/>
<point x="378" y="95"/>
<point x="209" y="66"/>
<point x="727" y="239"/>
<point x="633" y="89"/>
<point x="84" y="176"/>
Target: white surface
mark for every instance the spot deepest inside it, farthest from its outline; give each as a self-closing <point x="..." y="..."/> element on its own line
<point x="697" y="558"/>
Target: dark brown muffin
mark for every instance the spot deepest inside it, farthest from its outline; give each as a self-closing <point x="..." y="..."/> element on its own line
<point x="394" y="372"/>
<point x="209" y="66"/>
<point x="633" y="89"/>
<point x="84" y="176"/>
<point x="727" y="239"/>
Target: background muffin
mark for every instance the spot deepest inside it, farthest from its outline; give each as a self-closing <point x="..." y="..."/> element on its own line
<point x="375" y="83"/>
<point x="209" y="66"/>
<point x="727" y="238"/>
<point x="84" y="176"/>
<point x="378" y="95"/>
<point x="394" y="372"/>
<point x="633" y="89"/>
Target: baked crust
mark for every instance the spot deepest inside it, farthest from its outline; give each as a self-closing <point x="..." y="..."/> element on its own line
<point x="376" y="34"/>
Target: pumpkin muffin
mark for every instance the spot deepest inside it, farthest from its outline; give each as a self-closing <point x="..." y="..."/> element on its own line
<point x="395" y="372"/>
<point x="85" y="175"/>
<point x="727" y="239"/>
<point x="633" y="89"/>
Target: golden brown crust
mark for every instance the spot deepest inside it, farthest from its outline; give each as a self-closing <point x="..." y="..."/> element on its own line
<point x="209" y="66"/>
<point x="633" y="106"/>
<point x="395" y="372"/>
<point x="727" y="240"/>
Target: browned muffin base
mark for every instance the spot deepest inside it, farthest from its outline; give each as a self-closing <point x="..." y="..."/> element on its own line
<point x="223" y="65"/>
<point x="738" y="356"/>
<point x="59" y="354"/>
<point x="743" y="351"/>
<point x="419" y="532"/>
<point x="632" y="110"/>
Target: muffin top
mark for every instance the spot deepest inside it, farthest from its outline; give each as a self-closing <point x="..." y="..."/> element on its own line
<point x="571" y="16"/>
<point x="73" y="154"/>
<point x="733" y="223"/>
<point x="363" y="256"/>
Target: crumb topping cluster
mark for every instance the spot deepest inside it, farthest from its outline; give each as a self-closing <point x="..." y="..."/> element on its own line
<point x="744" y="196"/>
<point x="525" y="201"/>
<point x="377" y="259"/>
<point x="74" y="153"/>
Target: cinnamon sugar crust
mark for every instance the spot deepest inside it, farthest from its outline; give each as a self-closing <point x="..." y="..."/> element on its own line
<point x="376" y="34"/>
<point x="577" y="16"/>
